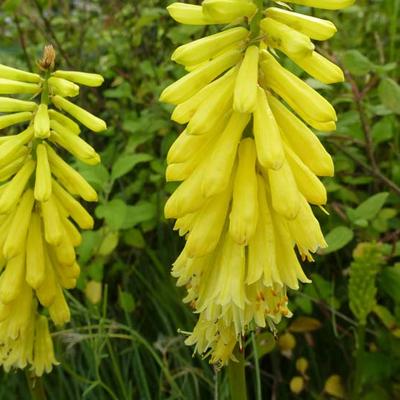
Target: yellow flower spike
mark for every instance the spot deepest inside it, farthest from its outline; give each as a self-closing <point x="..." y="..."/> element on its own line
<point x="307" y="182"/>
<point x="14" y="189"/>
<point x="8" y="104"/>
<point x="269" y="147"/>
<point x="8" y="86"/>
<point x="226" y="11"/>
<point x="245" y="95"/>
<point x="44" y="358"/>
<point x="284" y="191"/>
<point x="73" y="233"/>
<point x="46" y="293"/>
<point x="244" y="214"/>
<point x="69" y="177"/>
<point x="53" y="227"/>
<point x="20" y="316"/>
<point x="43" y="175"/>
<point x="232" y="264"/>
<point x="287" y="263"/>
<point x="305" y="230"/>
<point x="86" y="118"/>
<point x="64" y="121"/>
<point x="63" y="87"/>
<point x="187" y="198"/>
<point x="315" y="28"/>
<point x="12" y="279"/>
<point x="185" y="146"/>
<point x="262" y="256"/>
<point x="206" y="48"/>
<point x="82" y="78"/>
<point x="5" y="228"/>
<point x="320" y="68"/>
<point x="59" y="310"/>
<point x="11" y="169"/>
<point x="15" y="242"/>
<point x="302" y="140"/>
<point x="188" y="14"/>
<point x="41" y="123"/>
<point x="73" y="207"/>
<point x="75" y="145"/>
<point x="13" y="119"/>
<point x="182" y="171"/>
<point x="35" y="259"/>
<point x="300" y="96"/>
<point x="18" y="75"/>
<point x="207" y="228"/>
<point x="191" y="83"/>
<point x="324" y="4"/>
<point x="217" y="172"/>
<point x="65" y="252"/>
<point x="212" y="110"/>
<point x="11" y="148"/>
<point x="286" y="39"/>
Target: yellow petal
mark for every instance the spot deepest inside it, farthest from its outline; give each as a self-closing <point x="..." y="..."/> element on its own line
<point x="284" y="191"/>
<point x="315" y="28"/>
<point x="300" y="96"/>
<point x="217" y="171"/>
<point x="286" y="39"/>
<point x="324" y="4"/>
<point x="83" y="78"/>
<point x="244" y="214"/>
<point x="191" y="83"/>
<point x="245" y="95"/>
<point x="208" y="47"/>
<point x="302" y="140"/>
<point x="270" y="152"/>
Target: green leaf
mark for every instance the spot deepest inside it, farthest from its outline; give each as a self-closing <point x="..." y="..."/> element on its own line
<point x="383" y="130"/>
<point x="368" y="260"/>
<point x="369" y="208"/>
<point x="127" y="162"/>
<point x="90" y="242"/>
<point x="138" y="214"/>
<point x="389" y="281"/>
<point x="11" y="5"/>
<point x="357" y="63"/>
<point x="109" y="243"/>
<point x="126" y="301"/>
<point x="265" y="343"/>
<point x="134" y="238"/>
<point x="113" y="212"/>
<point x="389" y="93"/>
<point x="337" y="238"/>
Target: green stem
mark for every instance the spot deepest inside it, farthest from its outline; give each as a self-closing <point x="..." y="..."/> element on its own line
<point x="45" y="92"/>
<point x="257" y="367"/>
<point x="360" y="335"/>
<point x="237" y="377"/>
<point x="255" y="22"/>
<point x="36" y="387"/>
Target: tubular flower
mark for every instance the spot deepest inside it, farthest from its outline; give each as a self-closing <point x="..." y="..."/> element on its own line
<point x="40" y="212"/>
<point x="248" y="163"/>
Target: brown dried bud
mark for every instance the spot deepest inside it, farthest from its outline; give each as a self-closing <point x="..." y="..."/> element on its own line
<point x="48" y="58"/>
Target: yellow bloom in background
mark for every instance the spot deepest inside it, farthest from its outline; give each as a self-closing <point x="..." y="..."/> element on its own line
<point x="39" y="208"/>
<point x="248" y="162"/>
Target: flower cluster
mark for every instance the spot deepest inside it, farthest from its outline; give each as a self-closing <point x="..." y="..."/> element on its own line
<point x="248" y="163"/>
<point x="39" y="212"/>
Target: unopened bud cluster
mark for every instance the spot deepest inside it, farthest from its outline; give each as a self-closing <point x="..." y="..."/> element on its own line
<point x="248" y="162"/>
<point x="40" y="212"/>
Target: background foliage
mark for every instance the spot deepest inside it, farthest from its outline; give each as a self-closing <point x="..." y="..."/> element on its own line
<point x="123" y="342"/>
